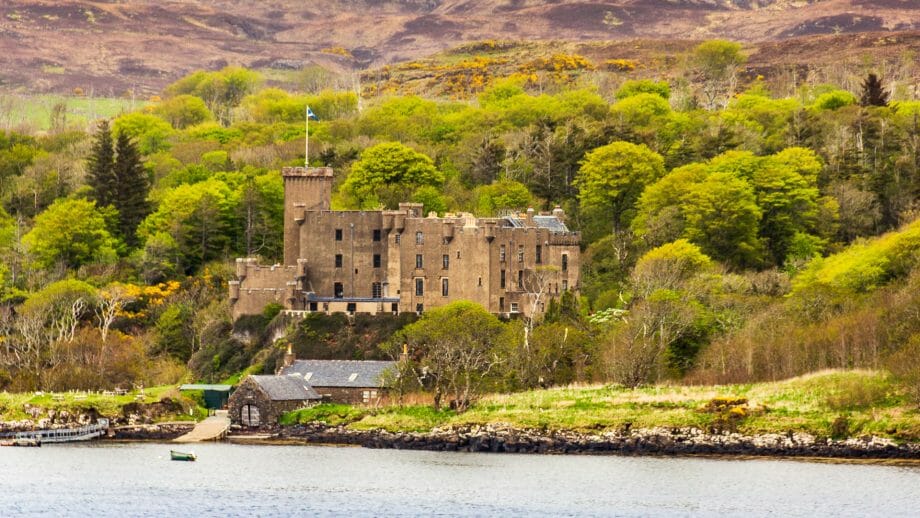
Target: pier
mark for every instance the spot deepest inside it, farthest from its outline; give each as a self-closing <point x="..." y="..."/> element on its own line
<point x="213" y="428"/>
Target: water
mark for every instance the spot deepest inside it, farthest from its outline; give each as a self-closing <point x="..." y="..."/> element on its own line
<point x="138" y="479"/>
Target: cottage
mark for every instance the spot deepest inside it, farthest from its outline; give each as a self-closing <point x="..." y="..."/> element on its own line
<point x="260" y="400"/>
<point x="344" y="381"/>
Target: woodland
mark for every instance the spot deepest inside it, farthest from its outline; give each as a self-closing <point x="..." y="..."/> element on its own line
<point x="730" y="233"/>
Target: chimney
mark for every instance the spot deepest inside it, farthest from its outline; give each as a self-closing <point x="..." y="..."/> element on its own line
<point x="559" y="213"/>
<point x="530" y="213"/>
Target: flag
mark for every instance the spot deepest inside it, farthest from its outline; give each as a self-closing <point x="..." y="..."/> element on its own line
<point x="311" y="115"/>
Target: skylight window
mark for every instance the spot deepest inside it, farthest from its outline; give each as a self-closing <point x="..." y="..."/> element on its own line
<point x="354" y="376"/>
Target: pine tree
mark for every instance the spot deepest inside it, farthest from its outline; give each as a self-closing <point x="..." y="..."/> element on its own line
<point x="873" y="94"/>
<point x="101" y="166"/>
<point x="131" y="197"/>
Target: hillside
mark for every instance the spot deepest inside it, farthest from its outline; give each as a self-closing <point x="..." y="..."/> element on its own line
<point x="109" y="47"/>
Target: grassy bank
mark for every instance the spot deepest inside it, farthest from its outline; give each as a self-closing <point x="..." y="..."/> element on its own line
<point x="831" y="403"/>
<point x="13" y="405"/>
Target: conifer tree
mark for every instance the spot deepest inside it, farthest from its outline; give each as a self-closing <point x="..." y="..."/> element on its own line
<point x="873" y="94"/>
<point x="101" y="166"/>
<point x="133" y="187"/>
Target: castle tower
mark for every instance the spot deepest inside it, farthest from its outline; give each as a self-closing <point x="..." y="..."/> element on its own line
<point x="305" y="188"/>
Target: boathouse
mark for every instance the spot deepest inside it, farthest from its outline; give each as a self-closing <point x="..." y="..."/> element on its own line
<point x="355" y="382"/>
<point x="261" y="400"/>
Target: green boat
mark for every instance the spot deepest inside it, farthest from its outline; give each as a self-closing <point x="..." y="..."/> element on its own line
<point x="178" y="455"/>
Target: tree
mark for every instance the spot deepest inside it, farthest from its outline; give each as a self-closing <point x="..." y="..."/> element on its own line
<point x="101" y="166"/>
<point x="131" y="197"/>
<point x="612" y="177"/>
<point x="668" y="266"/>
<point x="873" y="93"/>
<point x="388" y="173"/>
<point x="72" y="232"/>
<point x="717" y="63"/>
<point x="150" y="132"/>
<point x="183" y="111"/>
<point x="458" y="347"/>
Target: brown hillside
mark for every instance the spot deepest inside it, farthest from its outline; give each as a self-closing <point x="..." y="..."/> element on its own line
<point x="115" y="45"/>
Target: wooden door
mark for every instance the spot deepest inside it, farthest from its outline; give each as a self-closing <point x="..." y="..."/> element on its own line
<point x="249" y="415"/>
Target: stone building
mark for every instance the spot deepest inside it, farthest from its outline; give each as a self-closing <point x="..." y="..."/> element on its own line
<point x="344" y="381"/>
<point x="401" y="260"/>
<point x="260" y="400"/>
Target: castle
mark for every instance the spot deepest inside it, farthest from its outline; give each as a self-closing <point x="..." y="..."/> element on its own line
<point x="400" y="260"/>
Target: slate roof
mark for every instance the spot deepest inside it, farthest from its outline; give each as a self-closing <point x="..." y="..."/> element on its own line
<point x="286" y="388"/>
<point x="341" y="373"/>
<point x="551" y="222"/>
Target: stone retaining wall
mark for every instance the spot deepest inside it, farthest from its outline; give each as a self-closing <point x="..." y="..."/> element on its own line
<point x="655" y="441"/>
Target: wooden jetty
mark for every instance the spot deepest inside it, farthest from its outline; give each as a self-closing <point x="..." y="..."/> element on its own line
<point x="213" y="428"/>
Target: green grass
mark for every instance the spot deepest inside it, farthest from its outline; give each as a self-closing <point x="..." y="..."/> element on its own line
<point x="34" y="111"/>
<point x="870" y="401"/>
<point x="12" y="405"/>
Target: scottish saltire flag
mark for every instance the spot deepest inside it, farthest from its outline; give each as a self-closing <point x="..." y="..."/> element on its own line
<point x="311" y="115"/>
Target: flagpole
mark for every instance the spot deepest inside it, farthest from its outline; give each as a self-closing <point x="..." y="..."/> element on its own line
<point x="306" y="151"/>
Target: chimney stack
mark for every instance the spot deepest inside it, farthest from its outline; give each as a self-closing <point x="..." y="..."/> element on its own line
<point x="289" y="356"/>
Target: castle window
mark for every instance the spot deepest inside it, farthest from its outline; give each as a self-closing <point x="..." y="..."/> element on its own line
<point x="419" y="238"/>
<point x="514" y="307"/>
<point x="445" y="261"/>
<point x="419" y="308"/>
<point x="419" y="287"/>
<point x="521" y="280"/>
<point x="376" y="260"/>
<point x="351" y="307"/>
<point x="501" y="304"/>
<point x="338" y="234"/>
<point x="538" y="256"/>
<point x="480" y="282"/>
<point x="397" y="238"/>
<point x="565" y="262"/>
<point x="338" y="260"/>
<point x="501" y="254"/>
<point x="338" y="290"/>
<point x="565" y="285"/>
<point x="376" y="290"/>
<point x="444" y="287"/>
<point x="458" y="254"/>
<point x="502" y="280"/>
<point x="419" y="263"/>
<point x="520" y="253"/>
<point x="376" y="234"/>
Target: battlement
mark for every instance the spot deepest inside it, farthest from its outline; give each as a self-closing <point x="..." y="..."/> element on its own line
<point x="307" y="172"/>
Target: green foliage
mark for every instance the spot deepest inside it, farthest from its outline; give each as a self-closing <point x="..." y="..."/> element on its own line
<point x="669" y="265"/>
<point x="502" y="195"/>
<point x="150" y="132"/>
<point x="174" y="333"/>
<point x="221" y="91"/>
<point x="70" y="232"/>
<point x="130" y="199"/>
<point x="834" y="100"/>
<point x="866" y="265"/>
<point x="101" y="166"/>
<point x="644" y="86"/>
<point x="613" y="176"/>
<point x="183" y="111"/>
<point x="387" y="173"/>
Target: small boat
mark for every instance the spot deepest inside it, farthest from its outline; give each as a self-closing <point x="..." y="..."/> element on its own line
<point x="179" y="455"/>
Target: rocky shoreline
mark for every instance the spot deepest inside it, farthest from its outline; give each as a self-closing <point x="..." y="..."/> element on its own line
<point x="653" y="441"/>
